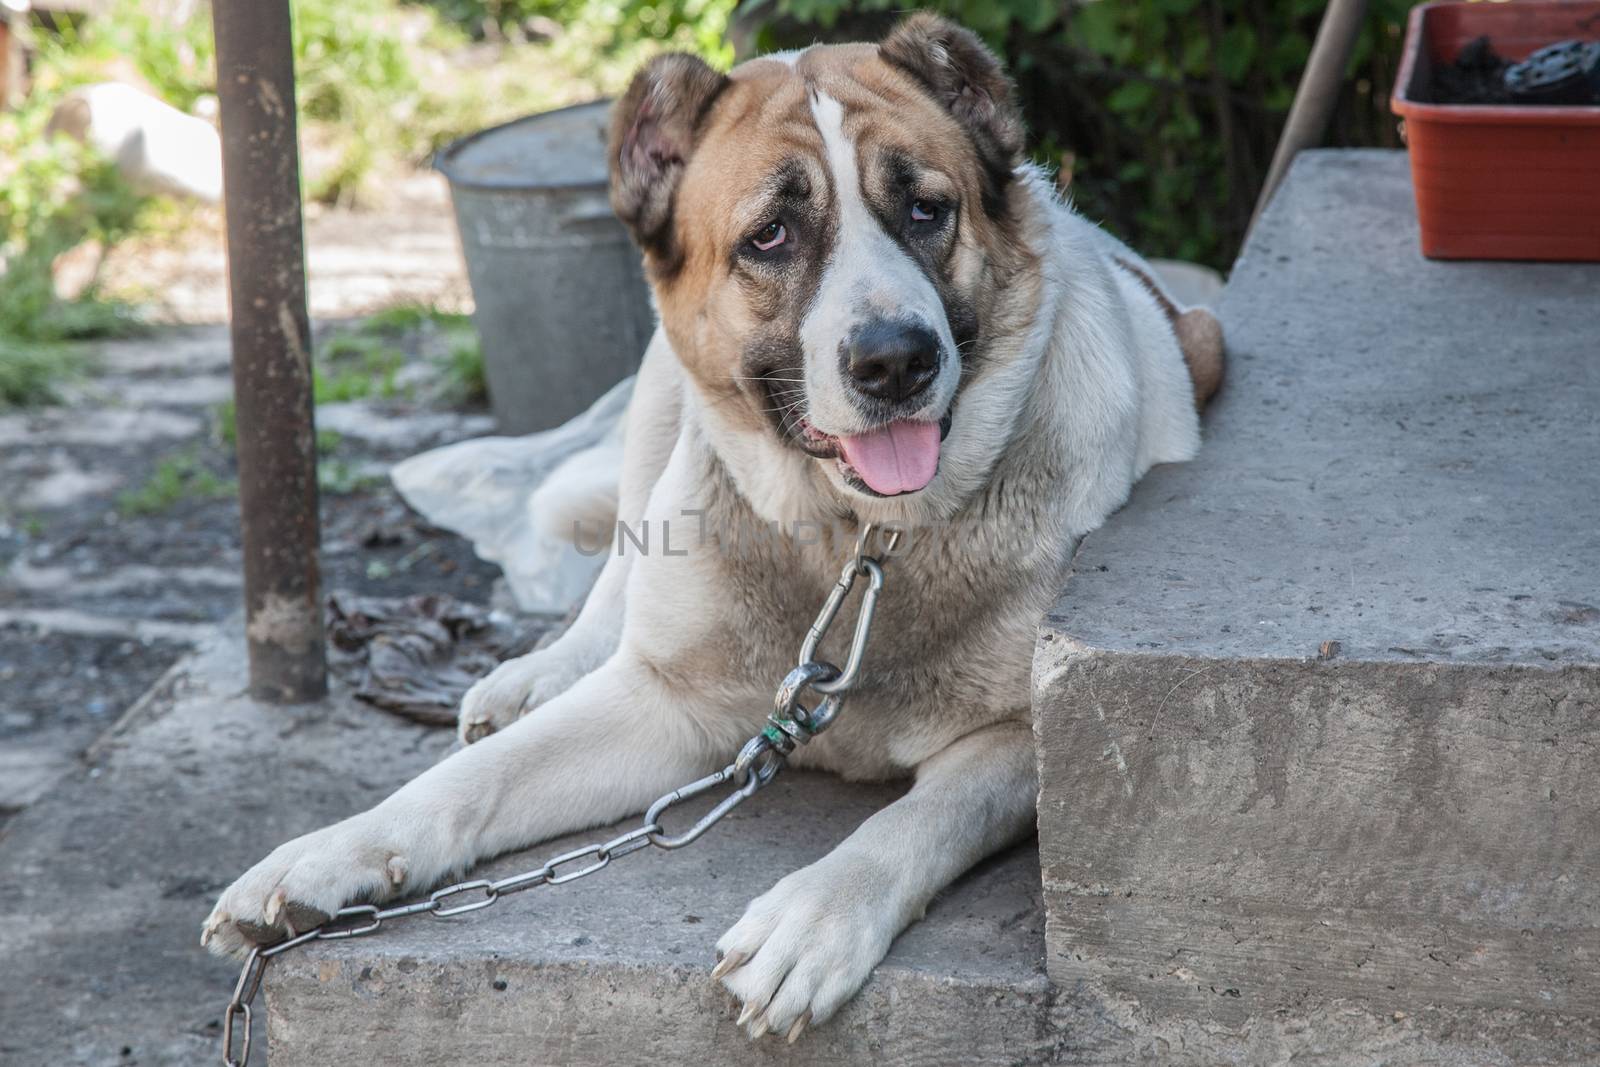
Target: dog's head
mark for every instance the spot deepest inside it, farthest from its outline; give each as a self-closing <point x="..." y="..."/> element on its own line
<point x="827" y="233"/>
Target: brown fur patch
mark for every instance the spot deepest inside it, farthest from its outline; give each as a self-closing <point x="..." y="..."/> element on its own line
<point x="952" y="64"/>
<point x="653" y="132"/>
<point x="1199" y="336"/>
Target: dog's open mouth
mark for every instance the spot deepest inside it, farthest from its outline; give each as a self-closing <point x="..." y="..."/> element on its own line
<point x="898" y="457"/>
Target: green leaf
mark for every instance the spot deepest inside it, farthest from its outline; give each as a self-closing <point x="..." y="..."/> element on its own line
<point x="1238" y="52"/>
<point x="1130" y="97"/>
<point x="1099" y="28"/>
<point x="1289" y="53"/>
<point x="1037" y="16"/>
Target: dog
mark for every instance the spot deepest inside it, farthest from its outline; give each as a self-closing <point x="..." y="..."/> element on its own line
<point x="871" y="310"/>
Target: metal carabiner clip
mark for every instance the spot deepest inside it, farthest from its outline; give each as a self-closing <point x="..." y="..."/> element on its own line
<point x="830" y="609"/>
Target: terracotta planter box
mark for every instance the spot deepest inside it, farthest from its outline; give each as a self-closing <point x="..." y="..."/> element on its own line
<point x="1500" y="182"/>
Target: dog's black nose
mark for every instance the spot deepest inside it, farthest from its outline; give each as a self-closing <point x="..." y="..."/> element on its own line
<point x="892" y="361"/>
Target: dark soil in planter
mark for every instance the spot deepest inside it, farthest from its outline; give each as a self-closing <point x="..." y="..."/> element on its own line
<point x="1478" y="76"/>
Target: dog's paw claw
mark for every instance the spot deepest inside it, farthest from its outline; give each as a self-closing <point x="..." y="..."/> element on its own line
<point x="473" y="732"/>
<point x="213" y="923"/>
<point x="274" y="909"/>
<point x="727" y="965"/>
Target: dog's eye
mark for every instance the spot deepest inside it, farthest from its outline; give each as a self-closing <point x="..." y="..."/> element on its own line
<point x="771" y="236"/>
<point x="924" y="211"/>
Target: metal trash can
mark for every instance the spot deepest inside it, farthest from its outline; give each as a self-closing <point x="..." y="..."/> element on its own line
<point x="563" y="311"/>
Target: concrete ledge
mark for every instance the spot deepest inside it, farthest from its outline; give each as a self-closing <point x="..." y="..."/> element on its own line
<point x="1319" y="713"/>
<point x="1267" y="832"/>
<point x="616" y="969"/>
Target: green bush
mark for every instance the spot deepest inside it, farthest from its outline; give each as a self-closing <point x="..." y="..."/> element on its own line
<point x="32" y="373"/>
<point x="55" y="195"/>
<point x="382" y="84"/>
<point x="699" y="25"/>
<point x="1168" y="110"/>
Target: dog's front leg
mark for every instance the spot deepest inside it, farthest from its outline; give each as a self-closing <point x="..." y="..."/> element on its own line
<point x="604" y="749"/>
<point x="804" y="947"/>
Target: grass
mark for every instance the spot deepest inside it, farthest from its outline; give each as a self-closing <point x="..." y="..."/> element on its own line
<point x="179" y="477"/>
<point x="463" y="374"/>
<point x="184" y="476"/>
<point x="382" y="84"/>
<point x="356" y="366"/>
<point x="362" y="361"/>
<point x="28" y="523"/>
<point x="339" y="477"/>
<point x="32" y="374"/>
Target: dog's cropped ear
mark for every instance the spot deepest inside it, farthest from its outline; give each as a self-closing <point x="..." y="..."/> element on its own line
<point x="653" y="131"/>
<point x="955" y="67"/>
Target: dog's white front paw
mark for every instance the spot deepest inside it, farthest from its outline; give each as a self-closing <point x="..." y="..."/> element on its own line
<point x="512" y="690"/>
<point x="302" y="883"/>
<point x="807" y="945"/>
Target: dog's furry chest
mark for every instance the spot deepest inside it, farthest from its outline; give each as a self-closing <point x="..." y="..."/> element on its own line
<point x="950" y="645"/>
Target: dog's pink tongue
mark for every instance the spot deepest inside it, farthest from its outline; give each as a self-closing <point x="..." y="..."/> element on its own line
<point x="900" y="458"/>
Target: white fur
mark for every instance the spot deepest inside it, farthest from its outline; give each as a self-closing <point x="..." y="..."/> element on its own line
<point x="868" y="276"/>
<point x="788" y="58"/>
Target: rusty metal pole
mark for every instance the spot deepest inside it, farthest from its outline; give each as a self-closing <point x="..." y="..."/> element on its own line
<point x="271" y="351"/>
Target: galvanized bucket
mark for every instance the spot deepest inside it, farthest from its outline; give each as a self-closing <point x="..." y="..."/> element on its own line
<point x="562" y="307"/>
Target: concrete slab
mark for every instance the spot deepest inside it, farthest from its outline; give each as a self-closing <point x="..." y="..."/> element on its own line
<point x="1189" y="283"/>
<point x="1319" y="712"/>
<point x="615" y="970"/>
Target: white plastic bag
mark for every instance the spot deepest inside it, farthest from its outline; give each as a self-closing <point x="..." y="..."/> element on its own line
<point x="484" y="490"/>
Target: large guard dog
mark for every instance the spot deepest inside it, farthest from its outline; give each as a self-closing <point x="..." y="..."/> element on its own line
<point x="871" y="311"/>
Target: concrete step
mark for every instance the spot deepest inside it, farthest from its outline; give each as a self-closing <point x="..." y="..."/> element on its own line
<point x="615" y="969"/>
<point x="1319" y="713"/>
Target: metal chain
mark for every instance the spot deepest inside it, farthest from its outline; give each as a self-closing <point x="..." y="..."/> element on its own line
<point x="789" y="725"/>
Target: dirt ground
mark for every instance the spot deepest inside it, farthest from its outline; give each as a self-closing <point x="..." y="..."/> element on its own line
<point x="101" y="591"/>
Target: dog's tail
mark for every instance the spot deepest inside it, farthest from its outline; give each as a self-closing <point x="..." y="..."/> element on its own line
<point x="1199" y="336"/>
<point x="579" y="498"/>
